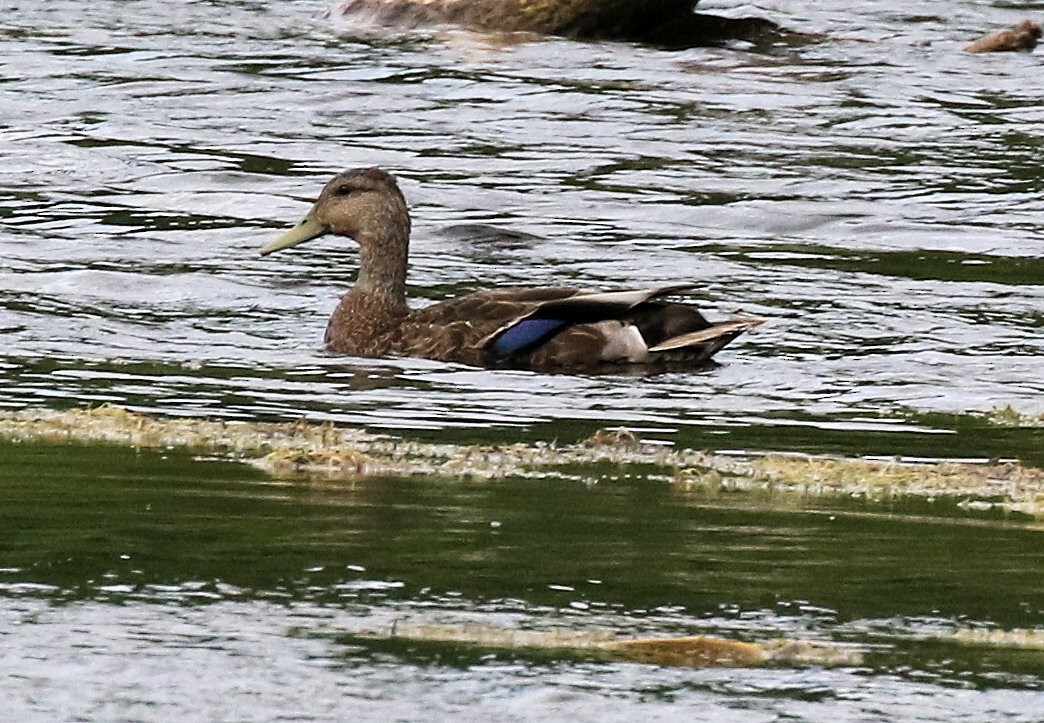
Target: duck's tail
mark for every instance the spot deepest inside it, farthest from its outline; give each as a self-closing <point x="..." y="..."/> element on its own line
<point x="724" y="331"/>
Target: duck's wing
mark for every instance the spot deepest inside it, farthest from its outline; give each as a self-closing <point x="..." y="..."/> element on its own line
<point x="456" y="329"/>
<point x="538" y="323"/>
<point x="558" y="329"/>
<point x="587" y="308"/>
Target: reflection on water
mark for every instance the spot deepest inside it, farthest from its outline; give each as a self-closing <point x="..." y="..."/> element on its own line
<point x="639" y="543"/>
<point x="877" y="196"/>
<point x="188" y="567"/>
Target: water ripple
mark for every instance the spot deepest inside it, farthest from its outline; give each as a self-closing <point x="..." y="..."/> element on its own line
<point x="877" y="196"/>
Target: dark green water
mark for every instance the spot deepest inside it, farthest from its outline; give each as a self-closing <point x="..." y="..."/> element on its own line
<point x="112" y="555"/>
<point x="649" y="543"/>
<point x="877" y="196"/>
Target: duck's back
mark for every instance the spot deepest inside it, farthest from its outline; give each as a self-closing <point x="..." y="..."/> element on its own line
<point x="454" y="330"/>
<point x="513" y="329"/>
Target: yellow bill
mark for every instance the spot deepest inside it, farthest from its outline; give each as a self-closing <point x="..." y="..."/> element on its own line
<point x="309" y="228"/>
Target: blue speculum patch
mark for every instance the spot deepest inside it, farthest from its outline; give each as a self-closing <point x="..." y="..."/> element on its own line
<point x="523" y="334"/>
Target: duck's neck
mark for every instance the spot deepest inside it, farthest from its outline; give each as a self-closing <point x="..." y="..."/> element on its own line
<point x="376" y="304"/>
<point x="382" y="271"/>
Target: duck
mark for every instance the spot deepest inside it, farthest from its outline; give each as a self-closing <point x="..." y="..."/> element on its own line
<point x="671" y="24"/>
<point x="1023" y="36"/>
<point x="548" y="329"/>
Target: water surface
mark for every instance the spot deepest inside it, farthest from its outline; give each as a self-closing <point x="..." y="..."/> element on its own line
<point x="164" y="587"/>
<point x="877" y="196"/>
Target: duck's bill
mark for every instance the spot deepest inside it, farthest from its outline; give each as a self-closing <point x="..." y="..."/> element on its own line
<point x="307" y="229"/>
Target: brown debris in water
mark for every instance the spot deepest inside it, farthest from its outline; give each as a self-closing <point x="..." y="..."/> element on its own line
<point x="1023" y="36"/>
<point x="620" y="438"/>
<point x="338" y="459"/>
<point x="345" y="453"/>
<point x="694" y="651"/>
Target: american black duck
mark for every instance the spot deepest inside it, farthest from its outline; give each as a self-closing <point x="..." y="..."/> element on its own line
<point x="544" y="329"/>
<point x="1023" y="36"/>
<point x="666" y="23"/>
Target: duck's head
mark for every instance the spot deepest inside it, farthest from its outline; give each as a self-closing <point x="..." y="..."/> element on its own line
<point x="364" y="204"/>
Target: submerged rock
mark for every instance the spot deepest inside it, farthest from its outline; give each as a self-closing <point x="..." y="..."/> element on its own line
<point x="665" y="23"/>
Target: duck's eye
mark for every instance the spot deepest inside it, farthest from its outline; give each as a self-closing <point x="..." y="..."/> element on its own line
<point x="344" y="191"/>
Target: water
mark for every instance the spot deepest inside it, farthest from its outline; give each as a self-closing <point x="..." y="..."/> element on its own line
<point x="167" y="587"/>
<point x="877" y="196"/>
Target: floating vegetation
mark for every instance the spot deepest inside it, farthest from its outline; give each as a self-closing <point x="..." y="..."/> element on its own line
<point x="117" y="425"/>
<point x="695" y="651"/>
<point x="978" y="486"/>
<point x="1008" y="416"/>
<point x="1019" y="638"/>
<point x="344" y="453"/>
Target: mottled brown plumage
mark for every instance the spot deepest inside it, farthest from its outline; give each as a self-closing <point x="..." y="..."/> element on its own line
<point x="669" y="23"/>
<point x="546" y="329"/>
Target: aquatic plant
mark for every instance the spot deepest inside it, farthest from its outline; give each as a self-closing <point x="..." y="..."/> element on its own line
<point x="334" y="452"/>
